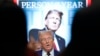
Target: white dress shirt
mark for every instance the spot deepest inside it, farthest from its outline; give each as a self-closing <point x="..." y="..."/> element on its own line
<point x="44" y="53"/>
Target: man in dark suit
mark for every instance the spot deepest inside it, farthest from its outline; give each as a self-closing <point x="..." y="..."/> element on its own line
<point x="46" y="39"/>
<point x="52" y="22"/>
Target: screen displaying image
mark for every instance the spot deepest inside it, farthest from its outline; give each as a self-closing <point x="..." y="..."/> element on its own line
<point x="49" y="22"/>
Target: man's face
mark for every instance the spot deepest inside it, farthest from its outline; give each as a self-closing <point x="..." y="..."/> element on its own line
<point x="37" y="46"/>
<point x="46" y="41"/>
<point x="53" y="21"/>
<point x="34" y="45"/>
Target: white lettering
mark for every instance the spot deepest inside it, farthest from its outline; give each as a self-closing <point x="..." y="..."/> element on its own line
<point x="80" y="4"/>
<point x="24" y="4"/>
<point x="33" y="5"/>
<point x="74" y="5"/>
<point x="46" y="4"/>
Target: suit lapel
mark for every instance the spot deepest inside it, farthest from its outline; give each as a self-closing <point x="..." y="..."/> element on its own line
<point x="39" y="53"/>
<point x="58" y="40"/>
<point x="56" y="53"/>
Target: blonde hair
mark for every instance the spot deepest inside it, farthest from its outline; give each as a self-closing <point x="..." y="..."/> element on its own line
<point x="45" y="32"/>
